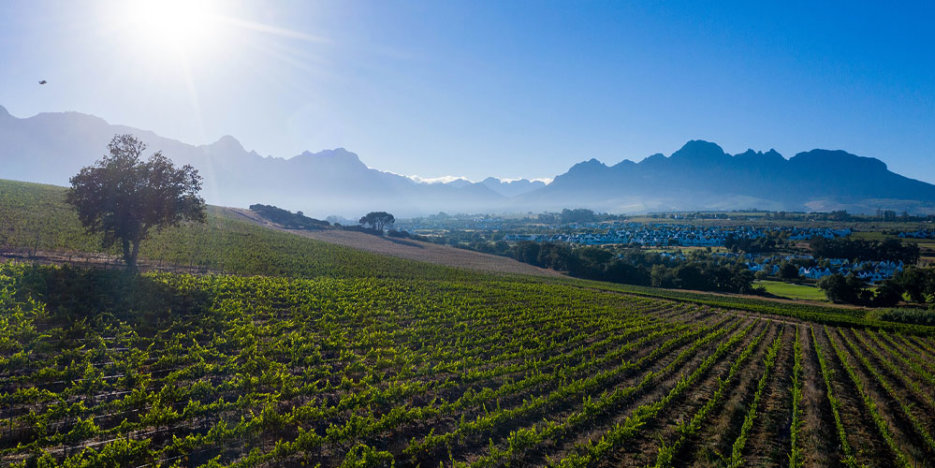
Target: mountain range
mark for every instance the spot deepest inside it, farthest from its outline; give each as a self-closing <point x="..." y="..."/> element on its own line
<point x="51" y="147"/>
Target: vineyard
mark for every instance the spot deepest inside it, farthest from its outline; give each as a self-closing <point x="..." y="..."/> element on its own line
<point x="35" y="218"/>
<point x="171" y="369"/>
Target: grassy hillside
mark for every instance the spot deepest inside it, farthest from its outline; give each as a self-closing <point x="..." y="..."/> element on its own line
<point x="335" y="357"/>
<point x="36" y="217"/>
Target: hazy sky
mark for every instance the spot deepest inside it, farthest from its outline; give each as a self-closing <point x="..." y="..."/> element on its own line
<point x="477" y="88"/>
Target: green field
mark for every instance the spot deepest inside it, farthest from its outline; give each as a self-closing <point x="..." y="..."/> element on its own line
<point x="35" y="217"/>
<point x="792" y="291"/>
<point x="333" y="357"/>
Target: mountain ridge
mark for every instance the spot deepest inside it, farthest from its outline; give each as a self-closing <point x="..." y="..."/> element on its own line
<point x="50" y="147"/>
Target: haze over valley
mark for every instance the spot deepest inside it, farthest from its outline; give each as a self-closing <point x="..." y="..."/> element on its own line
<point x="51" y="147"/>
<point x="466" y="233"/>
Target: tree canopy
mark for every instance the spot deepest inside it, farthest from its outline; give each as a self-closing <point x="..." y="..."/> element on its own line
<point x="287" y="219"/>
<point x="124" y="197"/>
<point x="889" y="249"/>
<point x="377" y="220"/>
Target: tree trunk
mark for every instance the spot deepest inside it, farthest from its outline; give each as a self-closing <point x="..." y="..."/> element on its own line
<point x="135" y="253"/>
<point x="126" y="253"/>
<point x="131" y="248"/>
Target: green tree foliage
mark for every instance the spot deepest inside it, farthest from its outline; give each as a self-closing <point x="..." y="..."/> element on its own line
<point x="637" y="267"/>
<point x="124" y="197"/>
<point x="578" y="215"/>
<point x="853" y="290"/>
<point x="788" y="271"/>
<point x="844" y="289"/>
<point x="377" y="220"/>
<point x="890" y="249"/>
<point x="287" y="219"/>
<point x="766" y="243"/>
<point x="888" y="294"/>
<point x="919" y="283"/>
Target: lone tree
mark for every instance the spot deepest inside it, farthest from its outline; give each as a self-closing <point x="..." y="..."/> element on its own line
<point x="377" y="220"/>
<point x="123" y="196"/>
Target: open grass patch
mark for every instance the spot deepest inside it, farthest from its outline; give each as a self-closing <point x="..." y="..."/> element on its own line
<point x="792" y="290"/>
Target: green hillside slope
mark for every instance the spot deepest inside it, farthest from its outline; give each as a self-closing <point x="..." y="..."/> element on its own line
<point x="102" y="369"/>
<point x="335" y="357"/>
<point x="35" y="217"/>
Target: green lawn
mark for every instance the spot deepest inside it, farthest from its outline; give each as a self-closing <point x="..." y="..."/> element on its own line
<point x="792" y="291"/>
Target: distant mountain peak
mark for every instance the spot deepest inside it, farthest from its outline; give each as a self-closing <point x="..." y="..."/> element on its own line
<point x="51" y="147"/>
<point x="460" y="183"/>
<point x="831" y="158"/>
<point x="623" y="164"/>
<point x="699" y="150"/>
<point x="511" y="188"/>
<point x="654" y="159"/>
<point x="227" y="143"/>
<point x="771" y="155"/>
<point x="339" y="156"/>
<point x="590" y="164"/>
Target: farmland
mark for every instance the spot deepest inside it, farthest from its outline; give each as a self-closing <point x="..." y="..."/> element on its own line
<point x="306" y="353"/>
<point x="262" y="371"/>
<point x="35" y="218"/>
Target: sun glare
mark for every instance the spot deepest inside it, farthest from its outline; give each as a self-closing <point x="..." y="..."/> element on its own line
<point x="171" y="28"/>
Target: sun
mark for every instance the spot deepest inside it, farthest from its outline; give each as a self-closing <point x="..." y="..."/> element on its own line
<point x="170" y="28"/>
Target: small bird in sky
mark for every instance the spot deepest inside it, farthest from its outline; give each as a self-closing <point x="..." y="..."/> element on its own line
<point x="42" y="82"/>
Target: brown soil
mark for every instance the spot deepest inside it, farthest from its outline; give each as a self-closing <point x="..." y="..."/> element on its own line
<point x="817" y="434"/>
<point x="899" y="425"/>
<point x="636" y="452"/>
<point x="408" y="248"/>
<point x="869" y="448"/>
<point x="769" y="443"/>
<point x="722" y="425"/>
<point x="643" y="448"/>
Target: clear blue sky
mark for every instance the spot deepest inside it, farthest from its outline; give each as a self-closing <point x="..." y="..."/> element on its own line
<point x="503" y="88"/>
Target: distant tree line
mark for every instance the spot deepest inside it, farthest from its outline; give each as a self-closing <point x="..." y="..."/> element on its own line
<point x="913" y="284"/>
<point x="633" y="266"/>
<point x="863" y="250"/>
<point x="287" y="219"/>
<point x="568" y="216"/>
<point x="763" y="244"/>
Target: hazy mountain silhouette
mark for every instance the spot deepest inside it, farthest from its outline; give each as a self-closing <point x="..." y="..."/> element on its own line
<point x="701" y="175"/>
<point x="51" y="147"/>
<point x="512" y="188"/>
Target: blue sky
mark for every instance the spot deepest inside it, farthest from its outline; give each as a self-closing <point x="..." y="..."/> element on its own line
<point x="503" y="88"/>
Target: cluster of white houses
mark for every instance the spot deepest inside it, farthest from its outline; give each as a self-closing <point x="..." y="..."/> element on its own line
<point x="920" y="234"/>
<point x="870" y="271"/>
<point x="656" y="235"/>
